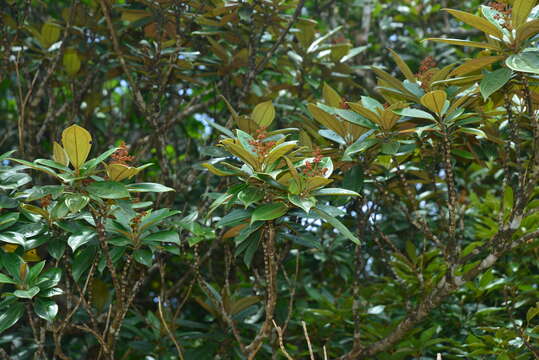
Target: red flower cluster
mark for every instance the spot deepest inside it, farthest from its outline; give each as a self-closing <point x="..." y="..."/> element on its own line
<point x="45" y="201"/>
<point x="313" y="168"/>
<point x="136" y="220"/>
<point x="261" y="147"/>
<point x="121" y="156"/>
<point x="505" y="13"/>
<point x="425" y="75"/>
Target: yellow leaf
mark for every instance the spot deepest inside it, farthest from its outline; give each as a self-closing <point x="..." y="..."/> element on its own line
<point x="331" y="97"/>
<point x="215" y="170"/>
<point x="10" y="247"/>
<point x="477" y="22"/>
<point x="326" y="119"/>
<point x="31" y="256"/>
<point x="263" y="114"/>
<point x="77" y="143"/>
<point x="338" y="51"/>
<point x="50" y="33"/>
<point x="317" y="182"/>
<point x="59" y="155"/>
<point x="521" y="11"/>
<point x="475" y="64"/>
<point x="71" y="62"/>
<point x="134" y="15"/>
<point x="465" y="43"/>
<point x="119" y="172"/>
<point x="23" y="270"/>
<point x="434" y="101"/>
<point x="389" y="118"/>
<point x="35" y="210"/>
<point x="403" y="66"/>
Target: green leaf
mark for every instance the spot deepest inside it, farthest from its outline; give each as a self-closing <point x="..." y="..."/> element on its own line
<point x="359" y="146"/>
<point x="390" y="148"/>
<point x="81" y="238"/>
<point x="45" y="309"/>
<point x="148" y="187"/>
<point x="76" y="202"/>
<point x="4" y="279"/>
<point x="269" y="212"/>
<point x="49" y="278"/>
<point x="164" y="236"/>
<point x="11" y="316"/>
<point x="494" y="81"/>
<point x="250" y="195"/>
<point x="143" y="256"/>
<point x="245" y="140"/>
<point x="11" y="237"/>
<point x="415" y="113"/>
<point x="527" y="62"/>
<point x="337" y="225"/>
<point x="334" y="191"/>
<point x="8" y="219"/>
<point x="82" y="260"/>
<point x="108" y="190"/>
<point x="305" y="203"/>
<point x="333" y="136"/>
<point x="27" y="294"/>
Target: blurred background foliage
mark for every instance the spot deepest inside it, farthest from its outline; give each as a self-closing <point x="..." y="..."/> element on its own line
<point x="153" y="74"/>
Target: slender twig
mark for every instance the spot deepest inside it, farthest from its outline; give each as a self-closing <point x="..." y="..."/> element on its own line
<point x="311" y="353"/>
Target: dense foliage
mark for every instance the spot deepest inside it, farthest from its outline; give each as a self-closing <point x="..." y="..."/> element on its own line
<point x="321" y="179"/>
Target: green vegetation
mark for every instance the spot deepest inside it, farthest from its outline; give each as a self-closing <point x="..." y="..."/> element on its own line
<point x="285" y="179"/>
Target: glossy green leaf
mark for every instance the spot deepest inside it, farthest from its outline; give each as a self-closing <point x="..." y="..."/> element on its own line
<point x="494" y="81"/>
<point x="11" y="316"/>
<point x="269" y="212"/>
<point x="45" y="309"/>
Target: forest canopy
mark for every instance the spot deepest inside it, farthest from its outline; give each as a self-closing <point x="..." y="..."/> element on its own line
<point x="269" y="179"/>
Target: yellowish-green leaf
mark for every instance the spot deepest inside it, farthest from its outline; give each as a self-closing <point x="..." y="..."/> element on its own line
<point x="434" y="101"/>
<point x="442" y="73"/>
<point x="216" y="171"/>
<point x="331" y="97"/>
<point x="475" y="65"/>
<point x="119" y="172"/>
<point x="35" y="210"/>
<point x="465" y="43"/>
<point x="363" y="111"/>
<point x="263" y="114"/>
<point x="50" y="33"/>
<point x="391" y="80"/>
<point x="527" y="31"/>
<point x="326" y="119"/>
<point x="77" y="143"/>
<point x="477" y="22"/>
<point x="279" y="151"/>
<point x="59" y="155"/>
<point x="71" y="62"/>
<point x="132" y="15"/>
<point x="317" y="182"/>
<point x="403" y="66"/>
<point x="521" y="11"/>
